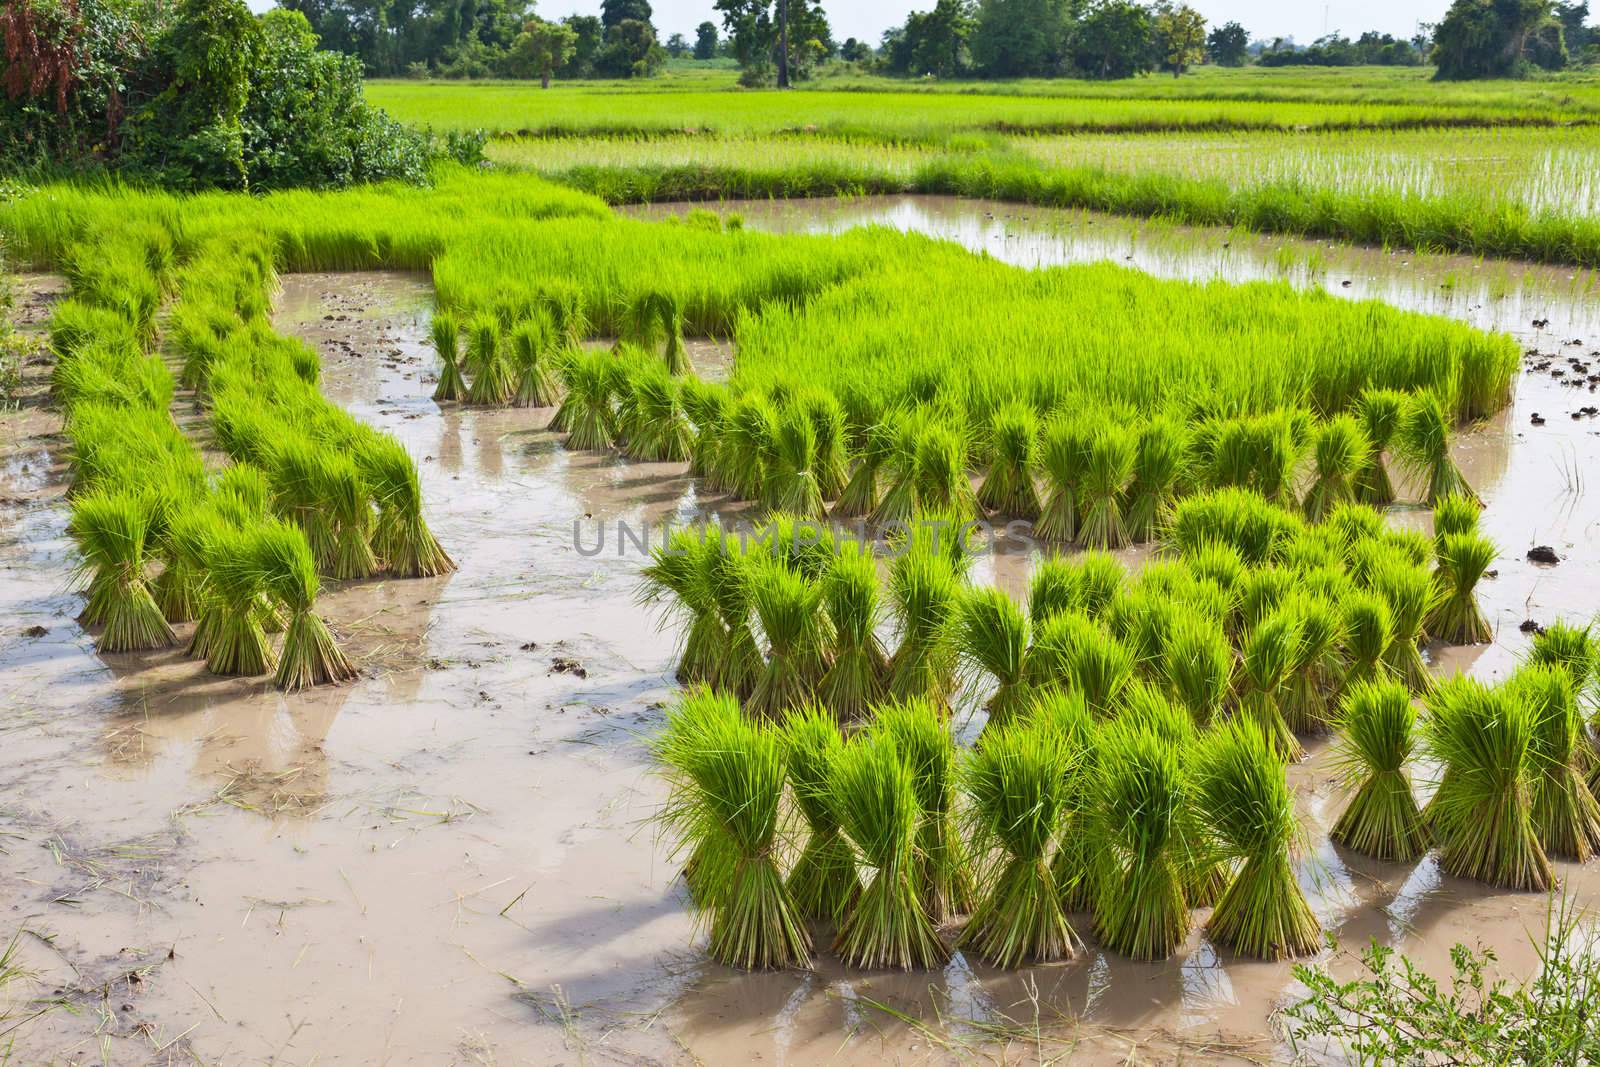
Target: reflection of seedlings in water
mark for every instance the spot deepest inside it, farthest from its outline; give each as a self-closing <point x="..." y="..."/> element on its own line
<point x="1410" y="897"/>
<point x="1205" y="984"/>
<point x="1327" y="883"/>
<point x="1099" y="982"/>
<point x="964" y="993"/>
<point x="783" y="1025"/>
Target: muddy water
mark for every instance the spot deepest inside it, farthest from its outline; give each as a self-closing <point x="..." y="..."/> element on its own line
<point x="448" y="862"/>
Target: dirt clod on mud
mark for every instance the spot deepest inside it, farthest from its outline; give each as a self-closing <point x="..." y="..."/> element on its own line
<point x="1543" y="554"/>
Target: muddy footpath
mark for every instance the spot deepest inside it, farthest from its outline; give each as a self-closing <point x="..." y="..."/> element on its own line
<point x="450" y="861"/>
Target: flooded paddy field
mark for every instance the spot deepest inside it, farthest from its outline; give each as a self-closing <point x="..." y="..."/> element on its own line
<point x="450" y="860"/>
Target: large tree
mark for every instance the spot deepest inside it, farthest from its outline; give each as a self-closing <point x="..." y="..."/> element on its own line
<point x="613" y="12"/>
<point x="757" y="28"/>
<point x="1180" y="37"/>
<point x="1228" y="45"/>
<point x="705" y="41"/>
<point x="1115" y="39"/>
<point x="934" y="42"/>
<point x="1492" y="38"/>
<point x="540" y="49"/>
<point x="1022" y="38"/>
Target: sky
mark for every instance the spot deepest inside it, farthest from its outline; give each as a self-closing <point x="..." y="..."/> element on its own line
<point x="1304" y="20"/>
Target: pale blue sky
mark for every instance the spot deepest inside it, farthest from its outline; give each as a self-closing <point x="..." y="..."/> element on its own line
<point x="1304" y="20"/>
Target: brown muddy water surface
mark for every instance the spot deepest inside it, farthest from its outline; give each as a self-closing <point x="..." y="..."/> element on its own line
<point x="449" y="860"/>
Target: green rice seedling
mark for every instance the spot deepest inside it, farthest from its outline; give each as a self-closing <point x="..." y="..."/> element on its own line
<point x="1102" y="488"/>
<point x="1242" y="519"/>
<point x="568" y="320"/>
<point x="1197" y="663"/>
<point x="860" y="495"/>
<point x="1100" y="578"/>
<point x="1249" y="810"/>
<point x="112" y="531"/>
<point x="1423" y="447"/>
<point x="689" y="721"/>
<point x="1414" y="546"/>
<point x="1377" y="735"/>
<point x="941" y="474"/>
<point x="535" y="380"/>
<point x="1368" y="635"/>
<point x="1258" y="454"/>
<point x="992" y="635"/>
<point x="707" y="408"/>
<point x="1141" y="795"/>
<point x="493" y="377"/>
<point x="873" y="794"/>
<point x="924" y="589"/>
<point x="788" y="607"/>
<point x="446" y="332"/>
<point x="677" y="582"/>
<point x="1064" y="458"/>
<point x="727" y="800"/>
<point x="1158" y="471"/>
<point x="1353" y="526"/>
<point x="1220" y="566"/>
<point x="748" y="444"/>
<point x="858" y="678"/>
<point x="297" y="482"/>
<point x="1009" y="487"/>
<point x="1341" y="451"/>
<point x="1075" y="863"/>
<point x="586" y="413"/>
<point x="1482" y="811"/>
<point x="1072" y="652"/>
<point x="348" y="503"/>
<point x="1318" y="668"/>
<point x="1463" y="558"/>
<point x="1410" y="593"/>
<point x="1260" y="591"/>
<point x="823" y="883"/>
<point x="401" y="536"/>
<point x="791" y="482"/>
<point x="1141" y="620"/>
<point x="1484" y="382"/>
<point x="1017" y="782"/>
<point x="1380" y="412"/>
<point x="1052" y="589"/>
<point x="828" y="427"/>
<point x="310" y="655"/>
<point x="1268" y="655"/>
<point x="1454" y="514"/>
<point x="924" y="743"/>
<point x="236" y="638"/>
<point x="1572" y="648"/>
<point x="1566" y="816"/>
<point x="656" y="319"/>
<point x="897" y="503"/>
<point x="730" y="570"/>
<point x="662" y="432"/>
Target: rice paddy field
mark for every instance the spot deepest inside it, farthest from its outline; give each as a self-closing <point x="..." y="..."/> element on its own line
<point x="567" y="613"/>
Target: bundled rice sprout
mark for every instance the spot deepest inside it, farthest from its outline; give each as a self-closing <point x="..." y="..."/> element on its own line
<point x="1141" y="795"/>
<point x="661" y="431"/>
<point x="348" y="503"/>
<point x="1423" y="446"/>
<point x="531" y="344"/>
<point x="1463" y="559"/>
<point x="309" y="655"/>
<point x="1341" y="451"/>
<point x="1158" y="470"/>
<point x="1072" y="652"/>
<point x="924" y="589"/>
<point x="707" y="408"/>
<point x="656" y="319"/>
<point x="1454" y="514"/>
<point x="678" y="582"/>
<point x="1368" y="635"/>
<point x="1102" y="486"/>
<point x="1197" y="663"/>
<point x="787" y="605"/>
<point x="1258" y="454"/>
<point x="1249" y="810"/>
<point x="858" y="677"/>
<point x="730" y="571"/>
<point x="1482" y="811"/>
<point x="112" y="529"/>
<point x="941" y="475"/>
<point x="791" y="483"/>
<point x="1566" y="816"/>
<point x="873" y="794"/>
<point x="493" y="379"/>
<point x="1380" y="411"/>
<point x="860" y="496"/>
<point x="924" y="743"/>
<point x="1410" y="593"/>
<point x="748" y="443"/>
<point x="236" y="635"/>
<point x="1238" y="518"/>
<point x="1317" y="669"/>
<point x="401" y="537"/>
<point x="992" y="635"/>
<point x="585" y="412"/>
<point x="446" y="333"/>
<point x="823" y="883"/>
<point x="1269" y="654"/>
<point x="1377" y="736"/>
<point x="727" y="777"/>
<point x="1018" y="783"/>
<point x="1572" y="648"/>
<point x="1064" y="457"/>
<point x="1009" y="487"/>
<point x="827" y="419"/>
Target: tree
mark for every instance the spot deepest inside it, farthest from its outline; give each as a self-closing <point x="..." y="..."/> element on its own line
<point x="934" y="42"/>
<point x="613" y="12"/>
<point x="1022" y="38"/>
<point x="1115" y="40"/>
<point x="705" y="41"/>
<point x="756" y="30"/>
<point x="540" y="48"/>
<point x="1228" y="45"/>
<point x="1180" y="37"/>
<point x="854" y="51"/>
<point x="590" y="34"/>
<point x="1491" y="38"/>
<point x="631" y="50"/>
<point x="1574" y="18"/>
<point x="677" y="46"/>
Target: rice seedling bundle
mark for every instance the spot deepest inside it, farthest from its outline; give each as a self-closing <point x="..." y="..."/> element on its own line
<point x="1249" y="810"/>
<point x="1197" y="663"/>
<point x="1454" y="514"/>
<point x="1072" y="652"/>
<point x="342" y="489"/>
<point x="1377" y="735"/>
<point x="661" y="431"/>
<point x="924" y="743"/>
<point x="873" y="794"/>
<point x="1572" y="648"/>
<point x="823" y="883"/>
<point x="531" y="345"/>
<point x="728" y="777"/>
<point x="1380" y="412"/>
<point x="1239" y="518"/>
<point x="748" y="443"/>
<point x="1018" y="784"/>
<point x="1102" y="487"/>
<point x="1260" y="590"/>
<point x="400" y="537"/>
<point x="1369" y="632"/>
<point x="1257" y="453"/>
<point x="1053" y="588"/>
<point x="113" y="534"/>
<point x="678" y="582"/>
<point x="236" y="634"/>
<point x="827" y="419"/>
<point x="1075" y="864"/>
<point x="1141" y="795"/>
<point x="1341" y="451"/>
<point x="585" y="412"/>
<point x="445" y="330"/>
<point x="1463" y="559"/>
<point x="1566" y="816"/>
<point x="656" y="319"/>
<point x="706" y="406"/>
<point x="1141" y="619"/>
<point x="791" y="482"/>
<point x="1158" y="472"/>
<point x="1482" y="812"/>
<point x="941" y="475"/>
<point x="488" y="363"/>
<point x="857" y="679"/>
<point x="1008" y="488"/>
<point x="309" y="655"/>
<point x="730" y="571"/>
<point x="860" y="494"/>
<point x="1410" y="593"/>
<point x="1318" y="668"/>
<point x="992" y="635"/>
<point x="1422" y="444"/>
<point x="1269" y="653"/>
<point x="1064" y="458"/>
<point x="925" y="590"/>
<point x="787" y="605"/>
